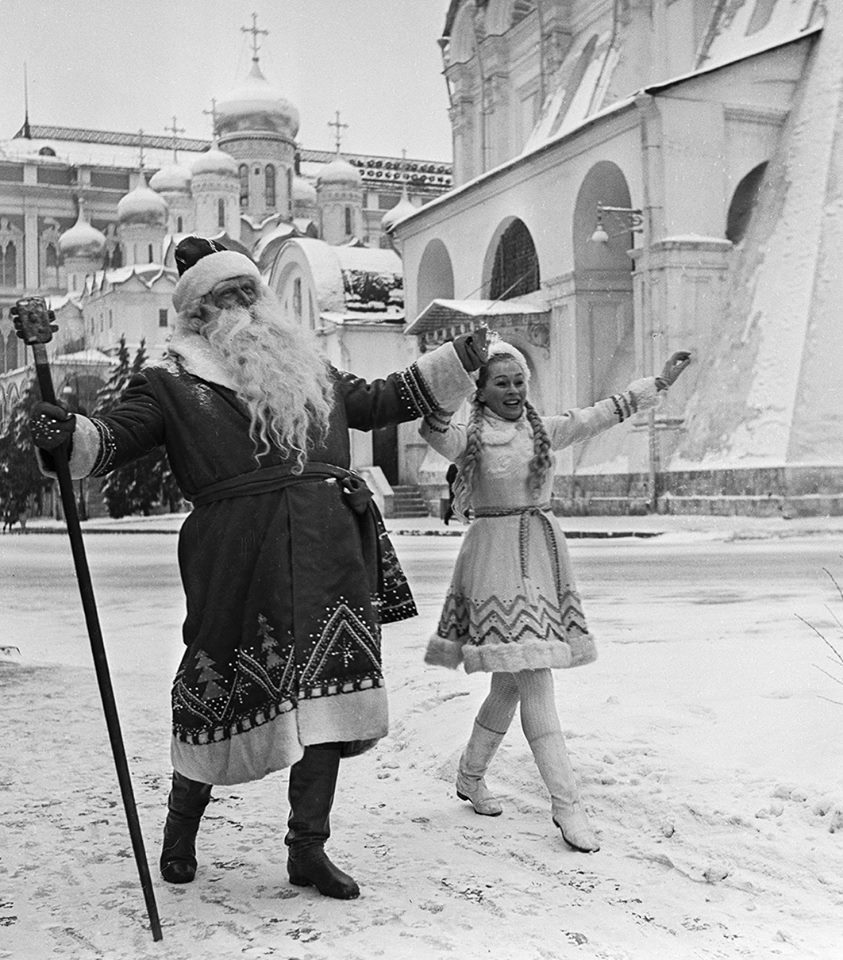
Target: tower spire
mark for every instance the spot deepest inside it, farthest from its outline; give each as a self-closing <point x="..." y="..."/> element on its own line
<point x="27" y="130"/>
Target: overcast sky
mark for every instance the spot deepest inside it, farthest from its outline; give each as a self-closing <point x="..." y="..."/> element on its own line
<point x="130" y="64"/>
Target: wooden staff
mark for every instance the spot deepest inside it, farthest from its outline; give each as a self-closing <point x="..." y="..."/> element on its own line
<point x="33" y="323"/>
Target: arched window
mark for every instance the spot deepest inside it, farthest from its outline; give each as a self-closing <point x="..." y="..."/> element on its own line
<point x="179" y="225"/>
<point x="269" y="175"/>
<point x="516" y="268"/>
<point x="12" y="351"/>
<point x="244" y="184"/>
<point x="220" y="213"/>
<point x="743" y="203"/>
<point x="8" y="265"/>
<point x="349" y="226"/>
<point x="289" y="191"/>
<point x="51" y="266"/>
<point x="150" y="254"/>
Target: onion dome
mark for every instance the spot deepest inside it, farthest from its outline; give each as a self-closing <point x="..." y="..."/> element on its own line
<point x="82" y="240"/>
<point x="256" y="105"/>
<point x="143" y="206"/>
<point x="303" y="191"/>
<point x="216" y="161"/>
<point x="340" y="172"/>
<point x="172" y="178"/>
<point x="401" y="209"/>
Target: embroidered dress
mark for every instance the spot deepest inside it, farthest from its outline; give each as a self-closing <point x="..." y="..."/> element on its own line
<point x="513" y="603"/>
<point x="287" y="577"/>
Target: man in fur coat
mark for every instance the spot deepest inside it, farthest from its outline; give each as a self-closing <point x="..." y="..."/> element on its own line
<point x="286" y="566"/>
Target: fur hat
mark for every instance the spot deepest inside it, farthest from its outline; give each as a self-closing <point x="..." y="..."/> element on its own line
<point x="202" y="264"/>
<point x="497" y="347"/>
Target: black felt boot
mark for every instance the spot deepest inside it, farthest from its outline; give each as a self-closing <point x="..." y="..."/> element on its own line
<point x="312" y="783"/>
<point x="186" y="804"/>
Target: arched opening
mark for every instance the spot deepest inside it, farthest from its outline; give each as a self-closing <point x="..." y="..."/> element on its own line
<point x="269" y="177"/>
<point x="11" y="351"/>
<point x="436" y="275"/>
<point x="221" y="213"/>
<point x="605" y="344"/>
<point x="9" y="265"/>
<point x="743" y="203"/>
<point x="243" y="171"/>
<point x="515" y="267"/>
<point x="51" y="265"/>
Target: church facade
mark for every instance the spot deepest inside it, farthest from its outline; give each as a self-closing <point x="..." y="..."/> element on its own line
<point x="633" y="178"/>
<point x="90" y="219"/>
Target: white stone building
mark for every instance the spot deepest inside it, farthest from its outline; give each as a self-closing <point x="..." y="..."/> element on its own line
<point x="634" y="177"/>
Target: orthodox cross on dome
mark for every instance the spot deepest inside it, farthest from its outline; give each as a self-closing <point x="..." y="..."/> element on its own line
<point x="254" y="32"/>
<point x="212" y="113"/>
<point x="175" y="132"/>
<point x="338" y="128"/>
<point x="140" y="151"/>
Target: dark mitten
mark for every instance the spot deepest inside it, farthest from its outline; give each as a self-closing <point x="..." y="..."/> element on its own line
<point x="674" y="366"/>
<point x="51" y="425"/>
<point x="472" y="349"/>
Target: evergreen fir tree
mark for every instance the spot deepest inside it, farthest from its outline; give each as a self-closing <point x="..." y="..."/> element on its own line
<point x="209" y="677"/>
<point x="22" y="485"/>
<point x="140" y="485"/>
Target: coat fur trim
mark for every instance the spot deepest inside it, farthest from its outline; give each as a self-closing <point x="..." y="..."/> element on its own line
<point x="443" y="653"/>
<point x="529" y="655"/>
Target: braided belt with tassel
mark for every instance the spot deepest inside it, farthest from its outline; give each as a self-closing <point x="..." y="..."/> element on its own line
<point x="524" y="513"/>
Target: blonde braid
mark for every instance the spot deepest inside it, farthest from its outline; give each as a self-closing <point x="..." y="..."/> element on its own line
<point x="464" y="483"/>
<point x="540" y="463"/>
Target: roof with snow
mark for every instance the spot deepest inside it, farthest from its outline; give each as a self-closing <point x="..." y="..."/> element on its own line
<point x="444" y="313"/>
<point x="77" y="145"/>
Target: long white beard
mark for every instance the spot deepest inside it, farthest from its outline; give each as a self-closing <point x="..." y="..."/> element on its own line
<point x="277" y="372"/>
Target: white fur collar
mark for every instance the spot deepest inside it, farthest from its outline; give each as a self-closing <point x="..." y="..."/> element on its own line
<point x="198" y="357"/>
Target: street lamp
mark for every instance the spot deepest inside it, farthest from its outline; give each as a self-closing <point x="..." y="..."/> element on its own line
<point x="70" y="396"/>
<point x="629" y="219"/>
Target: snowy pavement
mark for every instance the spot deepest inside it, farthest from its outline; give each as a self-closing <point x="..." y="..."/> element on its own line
<point x="705" y="737"/>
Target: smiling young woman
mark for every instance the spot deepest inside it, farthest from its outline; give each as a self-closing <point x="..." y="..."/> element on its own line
<point x="512" y="608"/>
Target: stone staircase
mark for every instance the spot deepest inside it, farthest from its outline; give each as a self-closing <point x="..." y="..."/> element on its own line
<point x="407" y="502"/>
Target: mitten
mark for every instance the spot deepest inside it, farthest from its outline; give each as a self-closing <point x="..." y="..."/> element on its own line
<point x="674" y="366"/>
<point x="472" y="349"/>
<point x="51" y="425"/>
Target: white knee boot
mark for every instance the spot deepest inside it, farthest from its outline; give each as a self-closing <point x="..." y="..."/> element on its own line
<point x="474" y="762"/>
<point x="551" y="757"/>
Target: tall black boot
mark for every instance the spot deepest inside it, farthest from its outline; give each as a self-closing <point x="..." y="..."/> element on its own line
<point x="312" y="783"/>
<point x="186" y="804"/>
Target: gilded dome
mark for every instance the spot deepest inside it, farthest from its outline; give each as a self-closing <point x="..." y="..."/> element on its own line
<point x="256" y="105"/>
<point x="171" y="178"/>
<point x="215" y="161"/>
<point x="82" y="240"/>
<point x="143" y="206"/>
<point x="340" y="172"/>
<point x="401" y="209"/>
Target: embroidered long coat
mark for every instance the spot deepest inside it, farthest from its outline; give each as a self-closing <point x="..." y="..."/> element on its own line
<point x="513" y="603"/>
<point x="285" y="587"/>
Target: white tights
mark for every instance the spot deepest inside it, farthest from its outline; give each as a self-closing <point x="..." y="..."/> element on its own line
<point x="534" y="690"/>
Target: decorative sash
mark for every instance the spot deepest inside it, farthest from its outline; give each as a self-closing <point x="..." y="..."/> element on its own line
<point x="541" y="511"/>
<point x="393" y="596"/>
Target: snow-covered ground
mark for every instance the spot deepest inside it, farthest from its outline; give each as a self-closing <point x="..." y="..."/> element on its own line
<point x="709" y="756"/>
